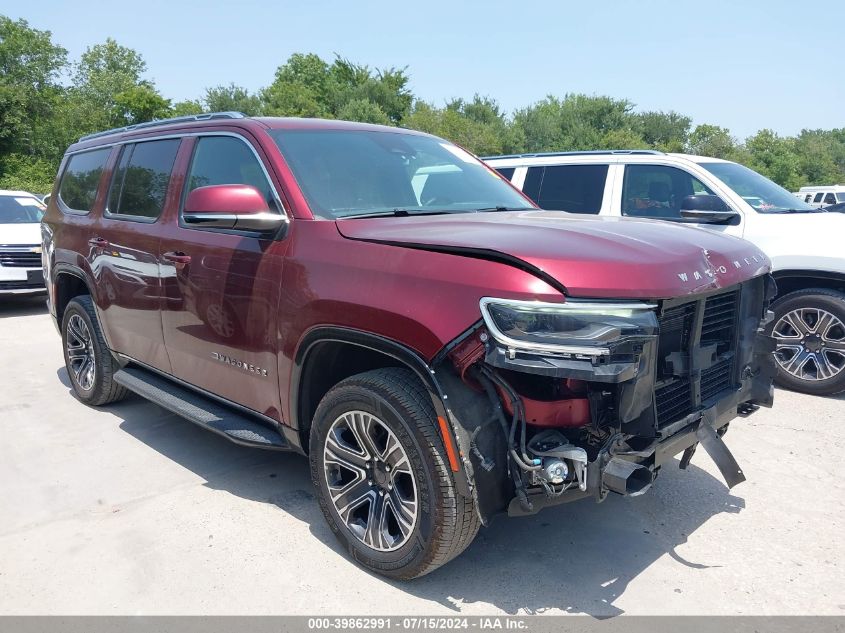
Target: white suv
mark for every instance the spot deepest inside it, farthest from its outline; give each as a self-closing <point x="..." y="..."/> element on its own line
<point x="20" y="243"/>
<point x="804" y="243"/>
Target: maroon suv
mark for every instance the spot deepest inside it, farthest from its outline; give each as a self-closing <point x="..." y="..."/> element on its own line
<point x="381" y="300"/>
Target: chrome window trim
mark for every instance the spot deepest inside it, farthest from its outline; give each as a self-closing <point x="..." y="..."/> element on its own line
<point x="159" y="137"/>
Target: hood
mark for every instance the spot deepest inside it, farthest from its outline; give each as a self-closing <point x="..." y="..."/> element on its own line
<point x="586" y="256"/>
<point x="28" y="234"/>
<point x="799" y="241"/>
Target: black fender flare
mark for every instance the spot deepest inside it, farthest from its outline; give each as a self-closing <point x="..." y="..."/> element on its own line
<point x="409" y="359"/>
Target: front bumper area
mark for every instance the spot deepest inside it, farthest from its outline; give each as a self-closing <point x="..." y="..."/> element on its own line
<point x="620" y="469"/>
<point x="558" y="429"/>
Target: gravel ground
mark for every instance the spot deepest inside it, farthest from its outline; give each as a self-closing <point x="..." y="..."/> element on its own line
<point x="130" y="510"/>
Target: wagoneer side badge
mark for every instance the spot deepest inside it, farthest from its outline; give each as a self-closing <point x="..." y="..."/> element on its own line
<point x="234" y="362"/>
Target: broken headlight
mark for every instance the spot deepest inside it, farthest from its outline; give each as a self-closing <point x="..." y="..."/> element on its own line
<point x="578" y="329"/>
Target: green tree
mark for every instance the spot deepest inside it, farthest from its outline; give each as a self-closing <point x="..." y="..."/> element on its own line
<point x="29" y="173"/>
<point x="308" y="86"/>
<point x="140" y="103"/>
<point x="711" y="140"/>
<point x="109" y="91"/>
<point x="30" y="66"/>
<point x="232" y="98"/>
<point x="185" y="108"/>
<point x="479" y="125"/>
<point x="576" y="122"/>
<point x="774" y="157"/>
<point x="299" y="88"/>
<point x="666" y="131"/>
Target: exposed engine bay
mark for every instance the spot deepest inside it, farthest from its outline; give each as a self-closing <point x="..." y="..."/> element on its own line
<point x="566" y="405"/>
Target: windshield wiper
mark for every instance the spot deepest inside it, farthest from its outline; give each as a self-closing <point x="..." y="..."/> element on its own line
<point x="399" y="212"/>
<point x="814" y="210"/>
<point x="503" y="208"/>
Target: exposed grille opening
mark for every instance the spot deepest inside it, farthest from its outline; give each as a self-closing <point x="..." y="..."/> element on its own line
<point x="20" y="259"/>
<point x="675" y="332"/>
<point x="719" y="323"/>
<point x="716" y="379"/>
<point x="673" y="401"/>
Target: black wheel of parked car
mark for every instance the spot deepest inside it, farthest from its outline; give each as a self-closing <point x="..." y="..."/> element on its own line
<point x="809" y="327"/>
<point x="89" y="361"/>
<point x="383" y="477"/>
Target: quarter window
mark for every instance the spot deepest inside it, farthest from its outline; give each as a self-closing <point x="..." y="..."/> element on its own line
<point x="140" y="181"/>
<point x="78" y="189"/>
<point x="225" y="160"/>
<point x="657" y="191"/>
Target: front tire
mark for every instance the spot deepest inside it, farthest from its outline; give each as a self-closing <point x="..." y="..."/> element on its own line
<point x="382" y="476"/>
<point x="88" y="360"/>
<point x="809" y="327"/>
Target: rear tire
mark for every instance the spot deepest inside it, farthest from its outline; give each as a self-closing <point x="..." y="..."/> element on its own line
<point x="89" y="362"/>
<point x="386" y="413"/>
<point x="809" y="327"/>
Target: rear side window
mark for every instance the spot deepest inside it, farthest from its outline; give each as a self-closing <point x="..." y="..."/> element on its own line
<point x="572" y="188"/>
<point x="140" y="181"/>
<point x="830" y="199"/>
<point x="506" y="172"/>
<point x="818" y="197"/>
<point x="78" y="188"/>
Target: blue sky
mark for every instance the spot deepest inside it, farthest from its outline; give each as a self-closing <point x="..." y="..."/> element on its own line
<point x="742" y="64"/>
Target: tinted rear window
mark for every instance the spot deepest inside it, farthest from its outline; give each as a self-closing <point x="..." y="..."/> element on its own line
<point x="140" y="181"/>
<point x="507" y="172"/>
<point x="78" y="188"/>
<point x="573" y="188"/>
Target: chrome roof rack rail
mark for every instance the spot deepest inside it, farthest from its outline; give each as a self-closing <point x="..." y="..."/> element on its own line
<point x="209" y="116"/>
<point x="595" y="152"/>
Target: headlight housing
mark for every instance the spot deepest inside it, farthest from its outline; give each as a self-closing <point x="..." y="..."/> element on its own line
<point x="576" y="329"/>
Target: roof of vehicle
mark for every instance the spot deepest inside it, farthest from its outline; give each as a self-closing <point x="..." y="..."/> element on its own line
<point x="825" y="188"/>
<point x="14" y="192"/>
<point x="216" y="118"/>
<point x="592" y="152"/>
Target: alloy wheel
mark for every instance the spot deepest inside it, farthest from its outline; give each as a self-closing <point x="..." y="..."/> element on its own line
<point x="370" y="481"/>
<point x="80" y="352"/>
<point x="810" y="344"/>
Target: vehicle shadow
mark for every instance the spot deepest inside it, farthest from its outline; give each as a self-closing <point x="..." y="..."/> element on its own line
<point x="577" y="558"/>
<point x="26" y="305"/>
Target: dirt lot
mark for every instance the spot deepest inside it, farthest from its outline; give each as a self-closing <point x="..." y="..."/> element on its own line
<point x="131" y="510"/>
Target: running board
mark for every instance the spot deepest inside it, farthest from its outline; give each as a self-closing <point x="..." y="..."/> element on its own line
<point x="238" y="427"/>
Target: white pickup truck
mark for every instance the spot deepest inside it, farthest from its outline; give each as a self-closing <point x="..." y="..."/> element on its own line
<point x="804" y="243"/>
<point x="20" y="243"/>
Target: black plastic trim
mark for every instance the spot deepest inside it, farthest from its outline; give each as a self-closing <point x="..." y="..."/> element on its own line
<point x="386" y="346"/>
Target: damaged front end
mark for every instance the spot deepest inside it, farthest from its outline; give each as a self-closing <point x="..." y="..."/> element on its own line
<point x="585" y="398"/>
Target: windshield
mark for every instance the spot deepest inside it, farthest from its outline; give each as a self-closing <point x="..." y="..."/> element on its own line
<point x="20" y="210"/>
<point x="346" y="173"/>
<point x="758" y="191"/>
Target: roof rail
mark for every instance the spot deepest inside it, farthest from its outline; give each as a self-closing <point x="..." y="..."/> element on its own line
<point x="177" y="119"/>
<point x="592" y="152"/>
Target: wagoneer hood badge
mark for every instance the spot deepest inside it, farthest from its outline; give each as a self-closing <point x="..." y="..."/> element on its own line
<point x="588" y="256"/>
